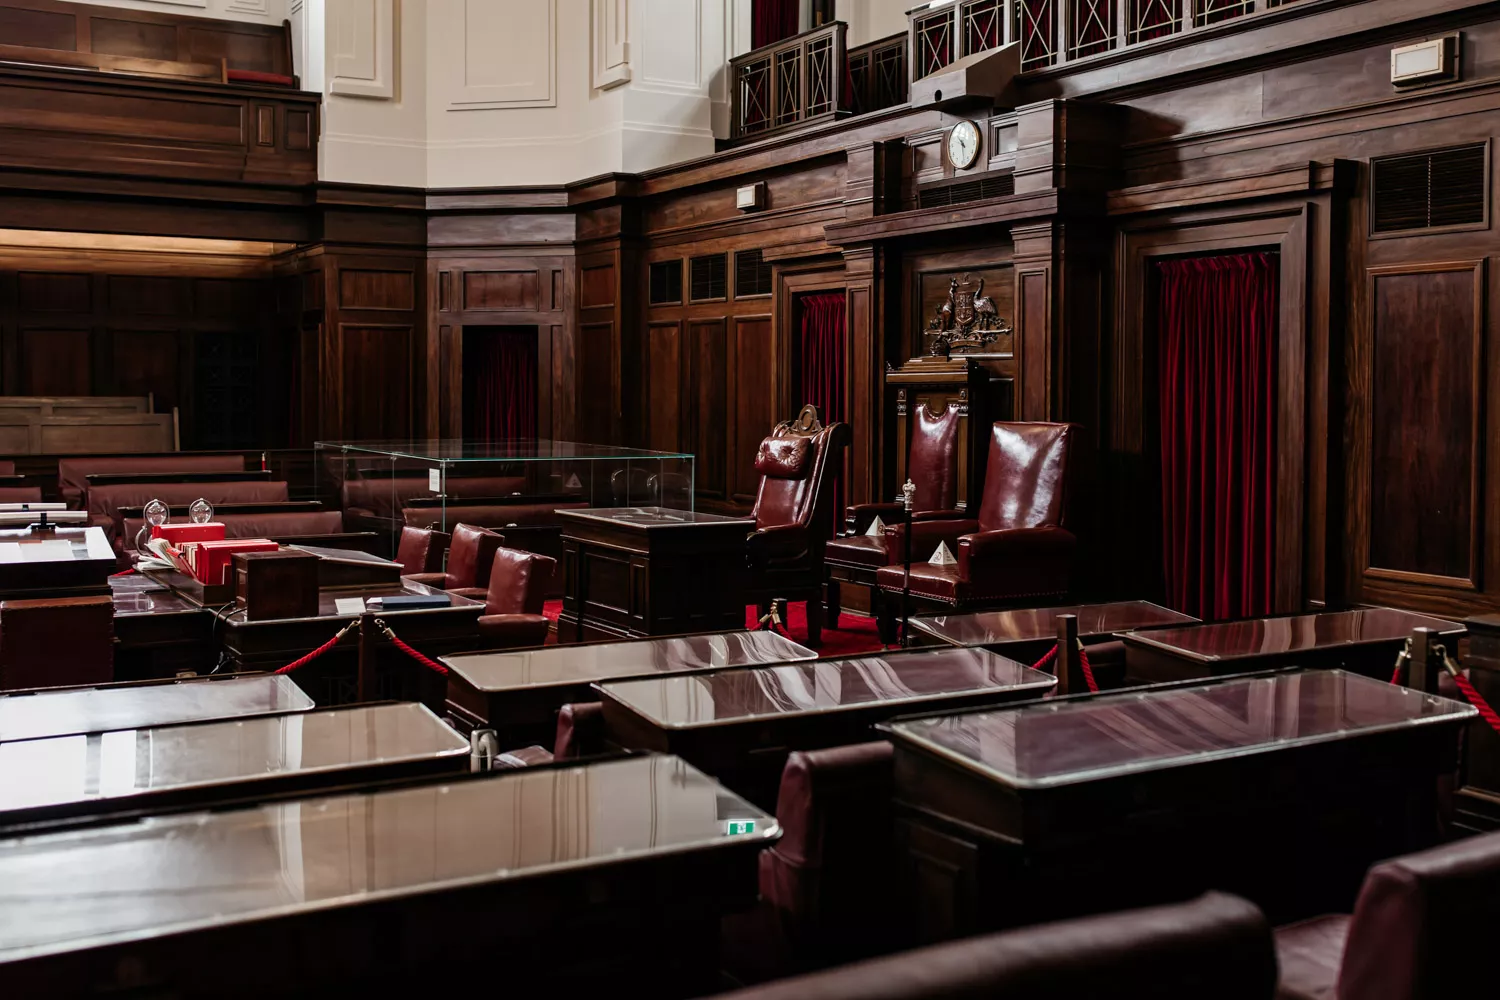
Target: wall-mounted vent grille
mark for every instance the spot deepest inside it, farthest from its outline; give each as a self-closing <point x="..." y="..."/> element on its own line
<point x="752" y="274"/>
<point x="710" y="277"/>
<point x="666" y="282"/>
<point x="1432" y="190"/>
<point x="944" y="194"/>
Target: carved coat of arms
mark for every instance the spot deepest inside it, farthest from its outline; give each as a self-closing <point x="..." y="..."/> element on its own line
<point x="967" y="322"/>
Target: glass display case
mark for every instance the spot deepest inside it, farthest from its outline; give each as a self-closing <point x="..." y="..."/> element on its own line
<point x="513" y="487"/>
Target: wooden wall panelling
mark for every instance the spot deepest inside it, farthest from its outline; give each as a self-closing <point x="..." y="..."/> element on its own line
<point x="667" y="387"/>
<point x="707" y="426"/>
<point x="752" y="380"/>
<point x="599" y="388"/>
<point x="863" y="363"/>
<point x="374" y="368"/>
<point x="1424" y="424"/>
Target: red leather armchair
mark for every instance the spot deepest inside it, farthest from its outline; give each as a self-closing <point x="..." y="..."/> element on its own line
<point x="1019" y="547"/>
<point x="1420" y="928"/>
<point x="932" y="461"/>
<point x="513" y="599"/>
<point x="469" y="557"/>
<point x="421" y="550"/>
<point x="794" y="514"/>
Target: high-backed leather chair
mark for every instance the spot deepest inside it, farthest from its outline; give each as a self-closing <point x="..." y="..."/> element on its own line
<point x="1019" y="547"/>
<point x="513" y="599"/>
<point x="932" y="463"/>
<point x="469" y="557"/>
<point x="1215" y="946"/>
<point x="421" y="550"/>
<point x="580" y="730"/>
<point x="829" y="888"/>
<point x="794" y="513"/>
<point x="1421" y="928"/>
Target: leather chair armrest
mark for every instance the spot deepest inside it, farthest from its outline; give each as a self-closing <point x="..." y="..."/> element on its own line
<point x="925" y="536"/>
<point x="513" y="631"/>
<point x="859" y="516"/>
<point x="778" y="542"/>
<point x="472" y="593"/>
<point x="1018" y="560"/>
<point x="431" y="579"/>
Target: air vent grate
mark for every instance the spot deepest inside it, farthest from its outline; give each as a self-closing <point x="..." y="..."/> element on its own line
<point x="1432" y="190"/>
<point x="709" y="277"/>
<point x="752" y="274"/>
<point x="991" y="186"/>
<point x="666" y="282"/>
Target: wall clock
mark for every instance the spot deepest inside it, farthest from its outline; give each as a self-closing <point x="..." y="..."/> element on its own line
<point x="963" y="145"/>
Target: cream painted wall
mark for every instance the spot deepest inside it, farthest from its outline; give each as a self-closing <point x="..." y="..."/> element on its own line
<point x="374" y="92"/>
<point x="872" y="19"/>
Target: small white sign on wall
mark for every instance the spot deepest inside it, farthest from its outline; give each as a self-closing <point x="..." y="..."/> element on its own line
<point x="435" y="480"/>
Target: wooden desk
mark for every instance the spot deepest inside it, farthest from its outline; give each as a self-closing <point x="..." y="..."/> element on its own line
<point x="1478" y="799"/>
<point x="520" y="692"/>
<point x="1015" y="632"/>
<point x="553" y="881"/>
<point x="159" y="633"/>
<point x="740" y="725"/>
<point x="62" y="562"/>
<point x="638" y="571"/>
<point x="1282" y="788"/>
<point x="27" y="715"/>
<point x="1365" y="640"/>
<point x="136" y="771"/>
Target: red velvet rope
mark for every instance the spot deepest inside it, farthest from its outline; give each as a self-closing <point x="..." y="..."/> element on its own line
<point x="1083" y="663"/>
<point x="1476" y="699"/>
<point x="123" y="572"/>
<point x="1396" y="676"/>
<point x="304" y="661"/>
<point x="429" y="664"/>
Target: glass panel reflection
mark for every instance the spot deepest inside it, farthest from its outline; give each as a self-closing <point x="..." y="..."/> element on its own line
<point x="1061" y="742"/>
<point x="212" y="868"/>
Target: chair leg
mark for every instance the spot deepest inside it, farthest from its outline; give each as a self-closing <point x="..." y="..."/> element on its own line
<point x="834" y="603"/>
<point x="814" y="621"/>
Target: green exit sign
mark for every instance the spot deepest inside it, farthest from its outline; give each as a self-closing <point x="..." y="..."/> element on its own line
<point x="737" y="826"/>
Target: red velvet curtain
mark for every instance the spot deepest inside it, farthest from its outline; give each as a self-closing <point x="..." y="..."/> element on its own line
<point x="1217" y="330"/>
<point x="821" y="356"/>
<point x="773" y="20"/>
<point x="500" y="385"/>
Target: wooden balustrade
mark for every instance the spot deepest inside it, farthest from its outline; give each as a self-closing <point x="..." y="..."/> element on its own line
<point x="878" y="76"/>
<point x="1053" y="32"/>
<point x="794" y="82"/>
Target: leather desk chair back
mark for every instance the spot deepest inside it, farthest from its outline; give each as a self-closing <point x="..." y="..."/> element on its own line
<point x="580" y="730"/>
<point x="932" y="459"/>
<point x="513" y="598"/>
<point x="797" y="464"/>
<point x="830" y="880"/>
<point x="20" y="494"/>
<point x="1215" y="946"/>
<point x="421" y="550"/>
<point x="1423" y="925"/>
<point x="470" y="556"/>
<point x="1026" y="476"/>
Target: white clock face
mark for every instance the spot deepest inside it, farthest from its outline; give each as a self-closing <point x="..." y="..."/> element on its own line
<point x="963" y="144"/>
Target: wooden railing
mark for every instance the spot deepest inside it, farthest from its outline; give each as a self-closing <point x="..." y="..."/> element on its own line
<point x="794" y="82"/>
<point x="1054" y="32"/>
<point x="878" y="75"/>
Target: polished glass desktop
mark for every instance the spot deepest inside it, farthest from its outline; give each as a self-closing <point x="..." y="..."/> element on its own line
<point x="994" y="628"/>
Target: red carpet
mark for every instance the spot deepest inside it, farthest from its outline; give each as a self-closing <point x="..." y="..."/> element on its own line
<point x="857" y="635"/>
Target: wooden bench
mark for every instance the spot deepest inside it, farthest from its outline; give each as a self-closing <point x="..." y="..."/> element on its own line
<point x="145" y="43"/>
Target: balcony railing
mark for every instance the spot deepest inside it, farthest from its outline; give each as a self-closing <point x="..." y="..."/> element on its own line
<point x="878" y="75"/>
<point x="794" y="82"/>
<point x="1054" y="32"/>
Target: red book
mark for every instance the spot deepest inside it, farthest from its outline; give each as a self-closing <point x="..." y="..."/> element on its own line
<point x="211" y="560"/>
<point x="176" y="534"/>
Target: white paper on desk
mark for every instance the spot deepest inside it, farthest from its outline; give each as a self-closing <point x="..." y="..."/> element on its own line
<point x="349" y="605"/>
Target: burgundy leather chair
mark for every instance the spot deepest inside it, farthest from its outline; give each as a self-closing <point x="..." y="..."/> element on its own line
<point x="794" y="514"/>
<point x="513" y="598"/>
<point x="1421" y="929"/>
<point x="421" y="550"/>
<point x="1216" y="946"/>
<point x="20" y="494"/>
<point x="580" y="730"/>
<point x="470" y="554"/>
<point x="1019" y="547"/>
<point x="530" y="756"/>
<point x="828" y="891"/>
<point x="932" y="463"/>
